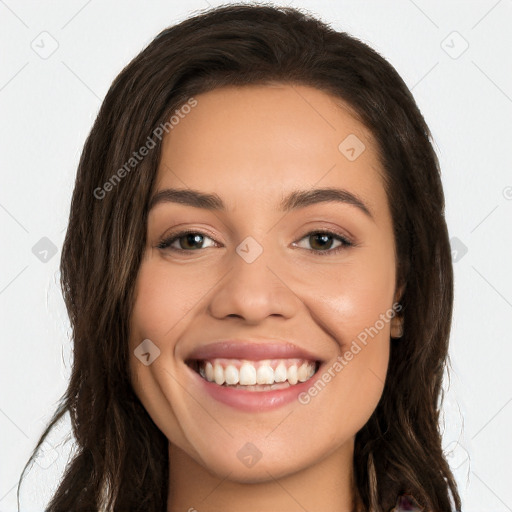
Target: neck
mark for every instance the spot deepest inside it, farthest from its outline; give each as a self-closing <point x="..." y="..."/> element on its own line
<point x="327" y="486"/>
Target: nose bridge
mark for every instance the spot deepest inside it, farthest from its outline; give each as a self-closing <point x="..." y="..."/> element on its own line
<point x="253" y="288"/>
<point x="252" y="262"/>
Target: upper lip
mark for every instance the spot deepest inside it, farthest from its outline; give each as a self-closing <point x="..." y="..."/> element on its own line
<point x="250" y="350"/>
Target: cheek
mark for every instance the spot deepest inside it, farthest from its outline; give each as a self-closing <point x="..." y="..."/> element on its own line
<point x="351" y="297"/>
<point x="354" y="310"/>
<point x="353" y="305"/>
<point x="160" y="305"/>
<point x="163" y="298"/>
<point x="157" y="308"/>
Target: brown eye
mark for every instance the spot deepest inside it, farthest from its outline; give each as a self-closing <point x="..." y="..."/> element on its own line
<point x="321" y="242"/>
<point x="187" y="241"/>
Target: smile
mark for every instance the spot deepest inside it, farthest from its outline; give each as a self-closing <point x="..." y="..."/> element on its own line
<point x="252" y="375"/>
<point x="260" y="375"/>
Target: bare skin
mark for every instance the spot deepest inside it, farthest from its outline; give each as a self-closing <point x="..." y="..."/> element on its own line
<point x="252" y="146"/>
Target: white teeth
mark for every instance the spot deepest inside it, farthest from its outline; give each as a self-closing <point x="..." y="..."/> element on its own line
<point x="302" y="373"/>
<point x="280" y="373"/>
<point x="218" y="373"/>
<point x="208" y="369"/>
<point x="247" y="374"/>
<point x="231" y="374"/>
<point x="292" y="374"/>
<point x="267" y="373"/>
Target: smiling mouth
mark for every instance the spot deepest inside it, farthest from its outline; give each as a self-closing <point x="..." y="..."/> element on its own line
<point x="264" y="375"/>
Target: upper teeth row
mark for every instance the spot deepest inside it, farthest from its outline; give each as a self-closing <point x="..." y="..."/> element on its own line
<point x="248" y="375"/>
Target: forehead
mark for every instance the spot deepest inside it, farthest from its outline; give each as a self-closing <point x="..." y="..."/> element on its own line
<point x="258" y="141"/>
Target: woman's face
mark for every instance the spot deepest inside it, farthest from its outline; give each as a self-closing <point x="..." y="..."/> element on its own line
<point x="273" y="282"/>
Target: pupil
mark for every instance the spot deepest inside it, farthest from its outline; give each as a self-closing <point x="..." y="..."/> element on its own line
<point x="324" y="237"/>
<point x="191" y="238"/>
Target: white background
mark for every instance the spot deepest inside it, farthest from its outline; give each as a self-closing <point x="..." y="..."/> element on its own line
<point x="49" y="104"/>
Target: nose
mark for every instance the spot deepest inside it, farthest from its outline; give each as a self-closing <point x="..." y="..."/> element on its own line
<point x="254" y="291"/>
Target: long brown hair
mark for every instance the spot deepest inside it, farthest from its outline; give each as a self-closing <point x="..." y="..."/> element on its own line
<point x="121" y="458"/>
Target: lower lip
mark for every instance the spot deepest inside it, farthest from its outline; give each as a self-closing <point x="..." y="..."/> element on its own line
<point x="255" y="401"/>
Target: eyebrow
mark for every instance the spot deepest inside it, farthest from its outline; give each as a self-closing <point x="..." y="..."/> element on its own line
<point x="293" y="201"/>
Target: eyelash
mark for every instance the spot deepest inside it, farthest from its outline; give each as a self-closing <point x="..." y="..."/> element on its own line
<point x="165" y="244"/>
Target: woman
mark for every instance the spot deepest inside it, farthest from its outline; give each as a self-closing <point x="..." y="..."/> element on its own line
<point x="258" y="276"/>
